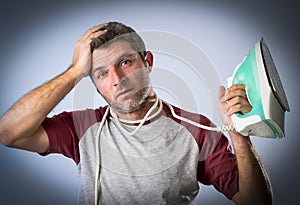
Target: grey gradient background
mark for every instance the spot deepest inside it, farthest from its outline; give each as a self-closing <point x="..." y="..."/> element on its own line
<point x="37" y="41"/>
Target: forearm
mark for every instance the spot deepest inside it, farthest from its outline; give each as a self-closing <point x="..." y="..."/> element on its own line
<point x="254" y="183"/>
<point x="26" y="116"/>
<point x="24" y="119"/>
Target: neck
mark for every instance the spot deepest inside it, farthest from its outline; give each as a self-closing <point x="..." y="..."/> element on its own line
<point x="140" y="113"/>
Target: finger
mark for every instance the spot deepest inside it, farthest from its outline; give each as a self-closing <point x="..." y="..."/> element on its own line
<point x="92" y="35"/>
<point x="96" y="34"/>
<point x="237" y="104"/>
<point x="235" y="93"/>
<point x="97" y="28"/>
<point x="238" y="108"/>
<point x="94" y="29"/>
<point x="237" y="87"/>
<point x="235" y="101"/>
<point x="221" y="94"/>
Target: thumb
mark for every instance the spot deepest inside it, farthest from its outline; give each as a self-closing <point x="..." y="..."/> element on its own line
<point x="221" y="94"/>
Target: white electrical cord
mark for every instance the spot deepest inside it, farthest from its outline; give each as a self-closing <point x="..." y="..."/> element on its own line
<point x="97" y="146"/>
<point x="141" y="122"/>
<point x="217" y="129"/>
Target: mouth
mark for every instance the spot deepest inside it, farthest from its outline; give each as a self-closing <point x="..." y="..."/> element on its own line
<point x="124" y="93"/>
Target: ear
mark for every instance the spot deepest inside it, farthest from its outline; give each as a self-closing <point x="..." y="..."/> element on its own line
<point x="149" y="60"/>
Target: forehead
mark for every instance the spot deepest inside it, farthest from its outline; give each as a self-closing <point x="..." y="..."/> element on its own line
<point x="107" y="55"/>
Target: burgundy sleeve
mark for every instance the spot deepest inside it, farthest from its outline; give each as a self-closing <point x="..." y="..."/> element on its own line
<point x="219" y="167"/>
<point x="66" y="129"/>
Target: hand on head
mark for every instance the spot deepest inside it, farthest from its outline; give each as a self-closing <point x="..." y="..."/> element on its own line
<point x="82" y="52"/>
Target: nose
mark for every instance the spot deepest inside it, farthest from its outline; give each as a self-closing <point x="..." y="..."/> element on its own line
<point x="116" y="75"/>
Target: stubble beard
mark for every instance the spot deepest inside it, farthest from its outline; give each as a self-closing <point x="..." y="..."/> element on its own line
<point x="134" y="104"/>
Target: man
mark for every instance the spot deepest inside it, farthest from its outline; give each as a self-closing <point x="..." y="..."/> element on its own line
<point x="139" y="149"/>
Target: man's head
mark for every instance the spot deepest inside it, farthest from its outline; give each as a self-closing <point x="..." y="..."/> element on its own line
<point x="116" y="31"/>
<point x="120" y="68"/>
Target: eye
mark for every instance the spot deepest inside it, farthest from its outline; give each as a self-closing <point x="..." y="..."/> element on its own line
<point x="125" y="63"/>
<point x="102" y="74"/>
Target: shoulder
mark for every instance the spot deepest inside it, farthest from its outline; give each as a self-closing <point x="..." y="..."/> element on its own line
<point x="86" y="115"/>
<point x="94" y="115"/>
<point x="75" y="121"/>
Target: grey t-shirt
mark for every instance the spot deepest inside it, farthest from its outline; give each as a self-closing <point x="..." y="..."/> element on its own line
<point x="161" y="164"/>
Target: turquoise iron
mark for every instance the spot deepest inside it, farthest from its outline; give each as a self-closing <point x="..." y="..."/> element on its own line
<point x="265" y="93"/>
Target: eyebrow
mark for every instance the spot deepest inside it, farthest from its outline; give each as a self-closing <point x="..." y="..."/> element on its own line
<point x="126" y="54"/>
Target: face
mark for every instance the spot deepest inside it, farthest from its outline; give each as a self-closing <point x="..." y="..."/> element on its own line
<point x="121" y="76"/>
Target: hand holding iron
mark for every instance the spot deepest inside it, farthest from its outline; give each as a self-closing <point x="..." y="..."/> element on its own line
<point x="232" y="101"/>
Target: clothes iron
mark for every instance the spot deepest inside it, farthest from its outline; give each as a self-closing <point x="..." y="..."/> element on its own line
<point x="265" y="93"/>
